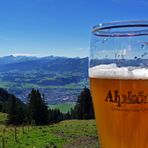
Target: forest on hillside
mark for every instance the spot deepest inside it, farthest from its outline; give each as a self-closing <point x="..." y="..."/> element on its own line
<point x="37" y="112"/>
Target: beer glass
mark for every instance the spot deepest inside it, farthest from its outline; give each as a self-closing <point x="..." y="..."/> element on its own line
<point x="118" y="71"/>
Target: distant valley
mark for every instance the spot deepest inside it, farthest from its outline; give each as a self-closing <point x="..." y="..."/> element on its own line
<point x="60" y="79"/>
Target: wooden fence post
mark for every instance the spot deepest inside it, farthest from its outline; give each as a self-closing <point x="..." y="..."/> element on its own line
<point x="15" y="134"/>
<point x="3" y="139"/>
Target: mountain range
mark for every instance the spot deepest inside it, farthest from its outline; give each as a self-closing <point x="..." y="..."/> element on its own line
<point x="58" y="78"/>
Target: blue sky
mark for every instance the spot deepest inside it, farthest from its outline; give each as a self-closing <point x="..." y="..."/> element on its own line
<point x="59" y="27"/>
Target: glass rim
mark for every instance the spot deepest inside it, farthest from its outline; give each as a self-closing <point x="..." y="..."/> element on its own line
<point x="104" y="29"/>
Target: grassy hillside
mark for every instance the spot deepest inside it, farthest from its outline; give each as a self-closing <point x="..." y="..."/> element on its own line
<point x="66" y="134"/>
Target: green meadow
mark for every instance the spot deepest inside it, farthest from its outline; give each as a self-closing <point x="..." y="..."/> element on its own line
<point x="65" y="134"/>
<point x="63" y="107"/>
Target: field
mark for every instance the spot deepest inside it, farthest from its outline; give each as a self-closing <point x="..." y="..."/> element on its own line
<point x="63" y="107"/>
<point x="66" y="134"/>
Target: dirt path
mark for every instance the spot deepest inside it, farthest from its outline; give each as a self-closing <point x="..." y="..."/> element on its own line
<point x="83" y="142"/>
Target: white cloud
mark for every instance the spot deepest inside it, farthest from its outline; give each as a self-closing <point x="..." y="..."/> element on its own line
<point x="24" y="54"/>
<point x="83" y="48"/>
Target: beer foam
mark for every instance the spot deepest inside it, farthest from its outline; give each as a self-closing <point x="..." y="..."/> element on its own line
<point x="111" y="71"/>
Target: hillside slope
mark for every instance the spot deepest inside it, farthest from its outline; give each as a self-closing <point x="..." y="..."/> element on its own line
<point x="5" y="98"/>
<point x="66" y="134"/>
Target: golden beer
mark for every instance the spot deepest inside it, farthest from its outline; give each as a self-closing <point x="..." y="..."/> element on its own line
<point x="121" y="109"/>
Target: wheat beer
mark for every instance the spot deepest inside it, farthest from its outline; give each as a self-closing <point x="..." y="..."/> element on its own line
<point x="120" y="97"/>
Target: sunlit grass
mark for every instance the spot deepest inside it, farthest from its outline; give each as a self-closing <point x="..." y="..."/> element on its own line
<point x="60" y="135"/>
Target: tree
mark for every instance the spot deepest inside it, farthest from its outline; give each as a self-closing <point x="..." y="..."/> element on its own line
<point x="37" y="108"/>
<point x="15" y="112"/>
<point x="67" y="116"/>
<point x="84" y="106"/>
<point x="55" y="115"/>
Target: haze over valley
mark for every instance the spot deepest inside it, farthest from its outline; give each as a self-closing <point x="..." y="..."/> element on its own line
<point x="60" y="79"/>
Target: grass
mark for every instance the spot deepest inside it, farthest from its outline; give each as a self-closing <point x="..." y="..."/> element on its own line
<point x="63" y="107"/>
<point x="5" y="84"/>
<point x="66" y="134"/>
<point x="3" y="118"/>
<point x="30" y="85"/>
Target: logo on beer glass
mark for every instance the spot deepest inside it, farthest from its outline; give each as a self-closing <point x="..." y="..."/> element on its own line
<point x="127" y="98"/>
